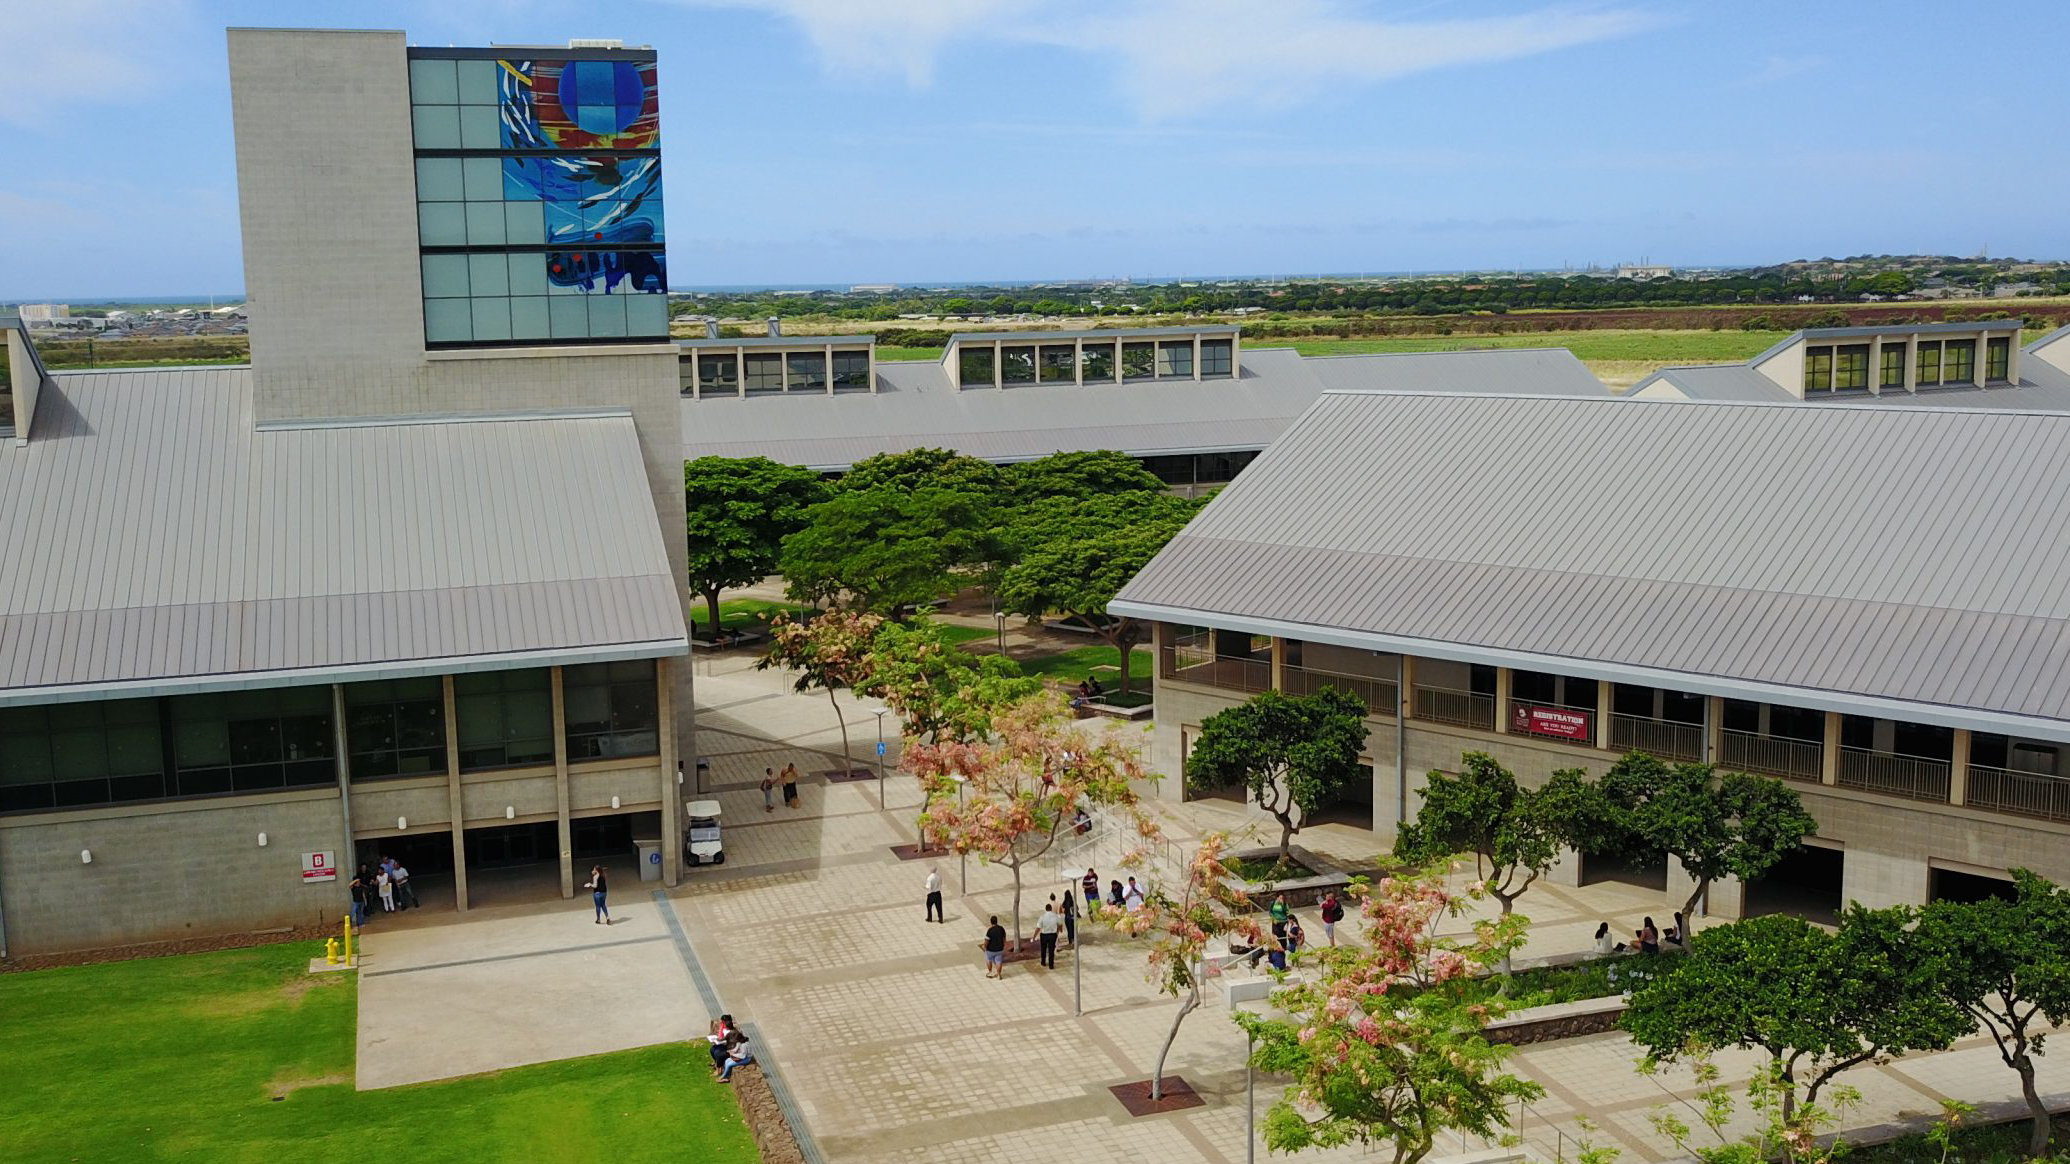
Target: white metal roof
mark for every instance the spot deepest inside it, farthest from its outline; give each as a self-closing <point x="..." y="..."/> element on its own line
<point x="1533" y="371"/>
<point x="1899" y="561"/>
<point x="159" y="541"/>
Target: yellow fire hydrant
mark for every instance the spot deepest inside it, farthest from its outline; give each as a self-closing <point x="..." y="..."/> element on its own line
<point x="330" y="951"/>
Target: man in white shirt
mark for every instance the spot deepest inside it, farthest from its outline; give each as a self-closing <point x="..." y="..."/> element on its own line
<point x="405" y="896"/>
<point x="1046" y="928"/>
<point x="1133" y="899"/>
<point x="934" y="894"/>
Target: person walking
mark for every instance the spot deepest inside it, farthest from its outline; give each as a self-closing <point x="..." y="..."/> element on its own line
<point x="934" y="894"/>
<point x="790" y="785"/>
<point x="995" y="949"/>
<point x="358" y="889"/>
<point x="386" y="888"/>
<point x="1332" y="913"/>
<point x="1296" y="937"/>
<point x="598" y="886"/>
<point x="1046" y="928"/>
<point x="1070" y="912"/>
<point x="1091" y="882"/>
<point x="768" y="790"/>
<point x="405" y="896"/>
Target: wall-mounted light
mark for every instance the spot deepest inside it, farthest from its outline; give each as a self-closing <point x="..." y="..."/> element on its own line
<point x="509" y="812"/>
<point x="86" y="856"/>
<point x="401" y="823"/>
<point x="262" y="840"/>
<point x="614" y="802"/>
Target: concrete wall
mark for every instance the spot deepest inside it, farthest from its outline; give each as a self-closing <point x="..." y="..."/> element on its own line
<point x="167" y="871"/>
<point x="591" y="786"/>
<point x="529" y="792"/>
<point x="421" y="800"/>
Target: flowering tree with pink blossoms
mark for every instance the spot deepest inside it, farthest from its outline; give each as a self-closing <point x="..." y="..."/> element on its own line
<point x="1021" y="785"/>
<point x="1389" y="1044"/>
<point x="1208" y="906"/>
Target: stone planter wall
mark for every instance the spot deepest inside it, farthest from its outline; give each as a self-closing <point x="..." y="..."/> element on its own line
<point x="1565" y="1020"/>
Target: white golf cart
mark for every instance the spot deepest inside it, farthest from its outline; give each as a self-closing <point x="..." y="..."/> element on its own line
<point x="701" y="843"/>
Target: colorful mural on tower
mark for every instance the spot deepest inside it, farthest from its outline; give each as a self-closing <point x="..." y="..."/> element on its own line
<point x="597" y="199"/>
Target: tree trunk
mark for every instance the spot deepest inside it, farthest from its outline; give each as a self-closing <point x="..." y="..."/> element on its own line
<point x="711" y="605"/>
<point x="1286" y="836"/>
<point x="846" y="762"/>
<point x="1185" y="1008"/>
<point x="1509" y="902"/>
<point x="2037" y="1139"/>
<point x="1703" y="886"/>
<point x="1014" y="863"/>
<point x="1123" y="635"/>
<point x="1789" y="1088"/>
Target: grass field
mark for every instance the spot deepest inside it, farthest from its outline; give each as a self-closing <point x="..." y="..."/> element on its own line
<point x="1075" y="664"/>
<point x="244" y="1056"/>
<point x="735" y="613"/>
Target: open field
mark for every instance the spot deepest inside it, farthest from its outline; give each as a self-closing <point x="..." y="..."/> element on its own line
<point x="243" y="1056"/>
<point x="740" y="613"/>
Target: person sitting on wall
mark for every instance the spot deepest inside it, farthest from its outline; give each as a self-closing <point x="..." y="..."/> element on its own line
<point x="1092" y="685"/>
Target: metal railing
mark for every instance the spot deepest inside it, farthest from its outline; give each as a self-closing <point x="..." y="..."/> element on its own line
<point x="1665" y="738"/>
<point x="2018" y="793"/>
<point x="1379" y="694"/>
<point x="1247" y="675"/>
<point x="1464" y="708"/>
<point x="1771" y="755"/>
<point x="1913" y="777"/>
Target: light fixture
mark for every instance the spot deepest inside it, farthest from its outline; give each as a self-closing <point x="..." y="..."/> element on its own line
<point x="262" y="840"/>
<point x="401" y="823"/>
<point x="509" y="812"/>
<point x="86" y="856"/>
<point x="614" y="802"/>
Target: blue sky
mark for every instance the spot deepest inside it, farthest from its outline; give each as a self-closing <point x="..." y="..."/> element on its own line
<point x="918" y="141"/>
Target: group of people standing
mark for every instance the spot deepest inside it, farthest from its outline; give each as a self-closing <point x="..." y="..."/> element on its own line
<point x="788" y="778"/>
<point x="384" y="886"/>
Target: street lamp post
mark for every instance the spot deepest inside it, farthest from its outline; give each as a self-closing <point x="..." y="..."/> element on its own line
<point x="880" y="767"/>
<point x="999" y="620"/>
<point x="1077" y="968"/>
<point x="1250" y="1100"/>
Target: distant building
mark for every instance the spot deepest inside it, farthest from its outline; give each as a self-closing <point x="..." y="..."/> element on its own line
<point x="1643" y="273"/>
<point x="873" y="288"/>
<point x="40" y="313"/>
<point x="1953" y="365"/>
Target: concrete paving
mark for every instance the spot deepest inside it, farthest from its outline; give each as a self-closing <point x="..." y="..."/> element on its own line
<point x="898" y="1049"/>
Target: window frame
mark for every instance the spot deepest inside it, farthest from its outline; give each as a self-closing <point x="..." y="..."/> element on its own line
<point x="755" y="371"/>
<point x="1171" y="355"/>
<point x="717" y="384"/>
<point x="1818" y="369"/>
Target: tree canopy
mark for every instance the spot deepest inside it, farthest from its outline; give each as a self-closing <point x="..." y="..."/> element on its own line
<point x="1290" y="752"/>
<point x="1717" y="824"/>
<point x="940" y="691"/>
<point x="1079" y="475"/>
<point x="922" y="469"/>
<point x="737" y="511"/>
<point x="888" y="548"/>
<point x="1484" y="811"/>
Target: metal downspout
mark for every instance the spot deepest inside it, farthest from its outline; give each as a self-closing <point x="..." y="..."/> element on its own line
<point x="1401" y="759"/>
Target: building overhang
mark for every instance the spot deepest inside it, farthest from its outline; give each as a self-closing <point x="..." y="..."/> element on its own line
<point x="1847" y="703"/>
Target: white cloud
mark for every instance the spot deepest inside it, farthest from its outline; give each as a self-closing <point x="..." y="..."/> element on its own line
<point x="66" y="53"/>
<point x="1178" y="58"/>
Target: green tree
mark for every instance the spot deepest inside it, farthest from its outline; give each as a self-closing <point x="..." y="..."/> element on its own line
<point x="940" y="691"/>
<point x="1817" y="1003"/>
<point x="1290" y="752"/>
<point x="2002" y="962"/>
<point x="1389" y="1046"/>
<point x="1074" y="558"/>
<point x="1078" y="475"/>
<point x="886" y="548"/>
<point x="1717" y="824"/>
<point x="921" y="469"/>
<point x="1484" y="811"/>
<point x="829" y="653"/>
<point x="737" y="511"/>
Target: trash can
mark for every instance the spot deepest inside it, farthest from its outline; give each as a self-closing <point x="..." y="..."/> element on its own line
<point x="650" y="857"/>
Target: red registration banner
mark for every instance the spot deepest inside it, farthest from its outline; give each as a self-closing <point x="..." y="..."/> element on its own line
<point x="1550" y="721"/>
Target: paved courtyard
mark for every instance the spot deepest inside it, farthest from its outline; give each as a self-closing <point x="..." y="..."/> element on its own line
<point x="883" y="1027"/>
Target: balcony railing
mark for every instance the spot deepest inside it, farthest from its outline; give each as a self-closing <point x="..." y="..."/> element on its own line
<point x="1771" y="755"/>
<point x="1464" y="708"/>
<point x="2018" y="793"/>
<point x="1915" y="777"/>
<point x="1665" y="738"/>
<point x="1379" y="694"/>
<point x="1562" y="721"/>
<point x="1246" y="675"/>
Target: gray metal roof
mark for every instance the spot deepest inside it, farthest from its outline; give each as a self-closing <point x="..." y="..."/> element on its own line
<point x="754" y="342"/>
<point x="1911" y="562"/>
<point x="2042" y="387"/>
<point x="918" y="406"/>
<point x="1536" y="371"/>
<point x="1733" y="382"/>
<point x="159" y="541"/>
<point x="2056" y="336"/>
<point x="1218" y="330"/>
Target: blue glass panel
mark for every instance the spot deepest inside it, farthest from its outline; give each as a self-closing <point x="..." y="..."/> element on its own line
<point x="484" y="223"/>
<point x="445" y="276"/>
<point x="448" y="320"/>
<point x="478" y="82"/>
<point x="491" y="318"/>
<point x="436" y="127"/>
<point x="563" y="222"/>
<point x="568" y="318"/>
<point x="442" y="224"/>
<point x="438" y="179"/>
<point x="488" y="274"/>
<point x="432" y="83"/>
<point x="480" y="128"/>
<point x="527" y="274"/>
<point x="523" y="223"/>
<point x="606" y="315"/>
<point x="521" y="179"/>
<point x="646" y="315"/>
<point x="483" y="179"/>
<point x="528" y="317"/>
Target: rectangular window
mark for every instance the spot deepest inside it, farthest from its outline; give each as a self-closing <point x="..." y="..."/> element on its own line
<point x="75" y="754"/>
<point x="1175" y="359"/>
<point x="506" y="718"/>
<point x="1138" y="361"/>
<point x="1997" y="359"/>
<point x="1059" y="363"/>
<point x="764" y="373"/>
<point x="1850" y="368"/>
<point x="1818" y="369"/>
<point x="613" y="710"/>
<point x="1096" y="362"/>
<point x="1893" y="372"/>
<point x="1929" y="364"/>
<point x="1217" y="358"/>
<point x="974" y="367"/>
<point x="808" y="371"/>
<point x="1017" y="365"/>
<point x="244" y="741"/>
<point x="396" y="727"/>
<point x="852" y="371"/>
<point x="1959" y="362"/>
<point x="718" y="375"/>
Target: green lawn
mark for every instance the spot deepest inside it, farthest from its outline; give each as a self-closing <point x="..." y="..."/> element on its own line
<point x="1666" y="347"/>
<point x="735" y="613"/>
<point x="244" y="1056"/>
<point x="892" y="353"/>
<point x="1078" y="662"/>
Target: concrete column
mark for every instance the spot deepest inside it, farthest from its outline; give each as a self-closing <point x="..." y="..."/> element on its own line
<point x="1713" y="728"/>
<point x="1876" y="366"/>
<point x="1502" y="700"/>
<point x="998" y="364"/>
<point x="1958" y="768"/>
<point x="564" y="839"/>
<point x="671" y="792"/>
<point x="1196" y="357"/>
<point x="457" y="810"/>
<point x="1078" y="362"/>
<point x="740" y="370"/>
<point x="2012" y="359"/>
<point x="349" y="855"/>
<point x="1604" y="688"/>
<point x="873" y="368"/>
<point x="1829" y="767"/>
<point x="1279" y="664"/>
<point x="1405" y="694"/>
<point x="828" y="356"/>
<point x="1912" y="362"/>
